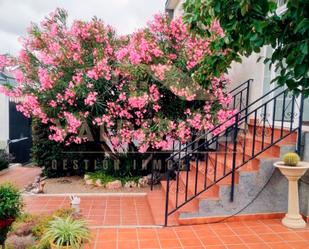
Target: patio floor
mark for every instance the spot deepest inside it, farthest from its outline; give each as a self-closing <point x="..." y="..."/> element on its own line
<point x="20" y="176"/>
<point x="98" y="210"/>
<point x="115" y="221"/>
<point x="231" y="235"/>
<point x="127" y="222"/>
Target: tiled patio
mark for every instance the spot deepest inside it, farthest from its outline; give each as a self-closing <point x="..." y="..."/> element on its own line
<point x="117" y="223"/>
<point x="20" y="176"/>
<point x="127" y="222"/>
<point x="98" y="210"/>
<point x="233" y="235"/>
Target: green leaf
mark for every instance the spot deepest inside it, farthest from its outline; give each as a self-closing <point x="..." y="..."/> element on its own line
<point x="300" y="70"/>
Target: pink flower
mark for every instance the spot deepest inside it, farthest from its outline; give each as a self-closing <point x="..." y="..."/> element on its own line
<point x="91" y="98"/>
<point x="72" y="122"/>
<point x="19" y="76"/>
<point x="138" y="102"/>
<point x="45" y="79"/>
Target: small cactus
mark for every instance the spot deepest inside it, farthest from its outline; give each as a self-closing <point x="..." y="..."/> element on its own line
<point x="291" y="159"/>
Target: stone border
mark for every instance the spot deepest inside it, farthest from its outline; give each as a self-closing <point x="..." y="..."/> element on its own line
<point x="86" y="194"/>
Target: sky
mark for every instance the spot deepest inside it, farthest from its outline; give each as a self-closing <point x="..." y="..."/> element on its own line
<point x="124" y="15"/>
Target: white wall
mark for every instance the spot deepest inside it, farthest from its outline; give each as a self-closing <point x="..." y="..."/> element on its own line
<point x="4" y="120"/>
<point x="248" y="69"/>
<point x="178" y="11"/>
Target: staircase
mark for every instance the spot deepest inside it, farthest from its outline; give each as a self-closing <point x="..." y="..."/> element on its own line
<point x="217" y="174"/>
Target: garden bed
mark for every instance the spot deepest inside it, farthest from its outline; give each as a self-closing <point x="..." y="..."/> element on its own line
<point x="76" y="184"/>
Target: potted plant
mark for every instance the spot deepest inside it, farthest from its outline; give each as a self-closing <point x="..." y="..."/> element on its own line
<point x="293" y="169"/>
<point x="66" y="233"/>
<point x="10" y="206"/>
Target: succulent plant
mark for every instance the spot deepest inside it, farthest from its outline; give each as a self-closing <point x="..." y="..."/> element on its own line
<point x="291" y="159"/>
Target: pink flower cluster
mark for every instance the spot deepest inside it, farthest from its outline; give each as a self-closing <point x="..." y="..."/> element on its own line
<point x="91" y="98"/>
<point x="45" y="79"/>
<point x="68" y="74"/>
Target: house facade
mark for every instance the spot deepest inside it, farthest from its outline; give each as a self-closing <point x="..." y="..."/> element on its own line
<point x="272" y="126"/>
<point x="4" y="115"/>
<point x="15" y="129"/>
<point x="249" y="68"/>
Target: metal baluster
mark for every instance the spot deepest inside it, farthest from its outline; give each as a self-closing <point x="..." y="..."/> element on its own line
<point x="247" y="102"/>
<point x="264" y="121"/>
<point x="300" y="125"/>
<point x="177" y="174"/>
<point x="196" y="174"/>
<point x="234" y="158"/>
<point x="216" y="159"/>
<point x="234" y="100"/>
<point x="206" y="165"/>
<point x="225" y="151"/>
<point x="283" y="113"/>
<point x="187" y="176"/>
<point x="292" y="113"/>
<point x="151" y="186"/>
<point x="273" y="121"/>
<point x="167" y="197"/>
<point x="240" y="101"/>
<point x="244" y="146"/>
<point x="254" y="133"/>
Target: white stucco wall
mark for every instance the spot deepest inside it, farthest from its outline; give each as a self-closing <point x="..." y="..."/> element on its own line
<point x="178" y="11"/>
<point x="4" y="120"/>
<point x="248" y="69"/>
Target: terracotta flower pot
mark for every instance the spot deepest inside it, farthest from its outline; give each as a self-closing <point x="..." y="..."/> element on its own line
<point x="5" y="223"/>
<point x="54" y="246"/>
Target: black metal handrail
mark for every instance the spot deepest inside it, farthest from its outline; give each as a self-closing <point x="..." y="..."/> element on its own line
<point x="228" y="150"/>
<point x="245" y="109"/>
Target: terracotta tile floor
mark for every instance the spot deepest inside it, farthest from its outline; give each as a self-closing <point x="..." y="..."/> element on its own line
<point x="98" y="210"/>
<point x="20" y="176"/>
<point x="232" y="235"/>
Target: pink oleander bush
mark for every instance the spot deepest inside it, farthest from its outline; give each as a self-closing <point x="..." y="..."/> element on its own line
<point x="139" y="89"/>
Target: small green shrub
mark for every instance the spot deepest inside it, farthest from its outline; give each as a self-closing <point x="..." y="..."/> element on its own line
<point x="66" y="232"/>
<point x="4" y="160"/>
<point x="10" y="201"/>
<point x="291" y="159"/>
<point x="29" y="228"/>
<point x="10" y="206"/>
<point x="106" y="178"/>
<point x="40" y="228"/>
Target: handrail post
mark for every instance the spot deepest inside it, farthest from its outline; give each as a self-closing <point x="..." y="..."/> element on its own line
<point x="167" y="196"/>
<point x="300" y="124"/>
<point x="247" y="101"/>
<point x="152" y="177"/>
<point x="234" y="158"/>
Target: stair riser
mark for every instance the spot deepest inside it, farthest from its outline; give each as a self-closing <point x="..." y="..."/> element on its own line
<point x="252" y="165"/>
<point x="213" y="192"/>
<point x="188" y="207"/>
<point x="290" y="139"/>
<point x="211" y="172"/>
